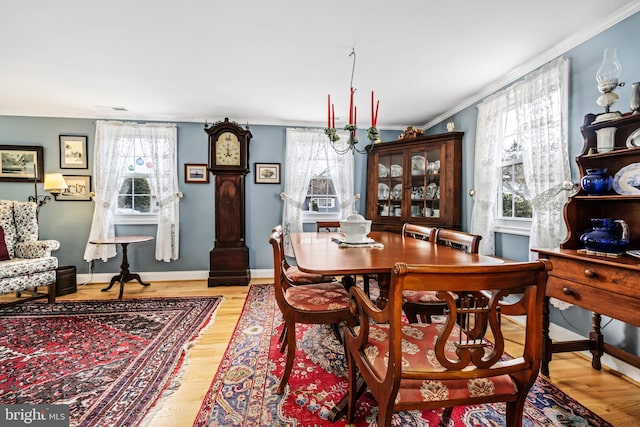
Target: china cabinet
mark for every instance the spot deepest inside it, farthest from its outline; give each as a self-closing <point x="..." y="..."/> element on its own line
<point x="415" y="180"/>
<point x="604" y="283"/>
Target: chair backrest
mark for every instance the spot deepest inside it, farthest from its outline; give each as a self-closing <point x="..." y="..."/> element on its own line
<point x="327" y="226"/>
<point x="466" y="242"/>
<point x="482" y="291"/>
<point x="276" y="241"/>
<point x="19" y="223"/>
<point x="422" y="232"/>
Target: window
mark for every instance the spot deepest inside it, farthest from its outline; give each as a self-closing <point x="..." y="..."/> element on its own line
<point x="321" y="200"/>
<point x="513" y="201"/>
<point x="136" y="181"/>
<point x="137" y="203"/>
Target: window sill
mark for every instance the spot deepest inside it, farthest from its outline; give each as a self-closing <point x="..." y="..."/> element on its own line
<point x="136" y="220"/>
<point x="510" y="229"/>
<point x="312" y="218"/>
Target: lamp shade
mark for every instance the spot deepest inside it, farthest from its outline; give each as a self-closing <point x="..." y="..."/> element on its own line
<point x="54" y="183"/>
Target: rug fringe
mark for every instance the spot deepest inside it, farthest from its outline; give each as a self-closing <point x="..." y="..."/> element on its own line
<point x="176" y="382"/>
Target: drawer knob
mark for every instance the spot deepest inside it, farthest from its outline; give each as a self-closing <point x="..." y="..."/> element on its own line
<point x="567" y="291"/>
<point x="589" y="273"/>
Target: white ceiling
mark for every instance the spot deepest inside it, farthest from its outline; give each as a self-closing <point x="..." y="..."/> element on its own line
<point x="274" y="62"/>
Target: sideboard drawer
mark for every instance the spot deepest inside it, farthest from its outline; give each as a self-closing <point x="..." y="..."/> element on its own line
<point x="621" y="307"/>
<point x="597" y="275"/>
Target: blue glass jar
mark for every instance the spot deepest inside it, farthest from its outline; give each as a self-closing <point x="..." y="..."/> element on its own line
<point x="607" y="235"/>
<point x="597" y="182"/>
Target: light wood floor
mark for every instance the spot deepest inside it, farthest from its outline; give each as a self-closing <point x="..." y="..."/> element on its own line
<point x="613" y="398"/>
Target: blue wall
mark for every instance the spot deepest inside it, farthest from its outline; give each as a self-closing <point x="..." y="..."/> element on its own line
<point x="69" y="222"/>
<point x="585" y="60"/>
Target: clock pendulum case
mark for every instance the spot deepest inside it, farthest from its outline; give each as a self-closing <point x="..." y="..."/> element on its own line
<point x="229" y="163"/>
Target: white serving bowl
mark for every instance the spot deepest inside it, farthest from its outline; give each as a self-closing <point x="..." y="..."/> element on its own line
<point x="355" y="228"/>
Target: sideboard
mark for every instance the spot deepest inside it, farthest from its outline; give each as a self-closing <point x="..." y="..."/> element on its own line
<point x="604" y="284"/>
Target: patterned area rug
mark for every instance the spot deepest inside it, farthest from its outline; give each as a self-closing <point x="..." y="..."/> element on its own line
<point x="109" y="361"/>
<point x="243" y="391"/>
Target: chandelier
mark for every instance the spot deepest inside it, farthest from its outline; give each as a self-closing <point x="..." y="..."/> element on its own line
<point x="372" y="133"/>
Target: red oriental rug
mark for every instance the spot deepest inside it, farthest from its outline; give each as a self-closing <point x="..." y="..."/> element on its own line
<point x="243" y="391"/>
<point x="110" y="361"/>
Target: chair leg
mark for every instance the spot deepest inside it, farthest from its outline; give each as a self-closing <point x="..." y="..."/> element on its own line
<point x="291" y="354"/>
<point x="514" y="415"/>
<point x="336" y="331"/>
<point x="365" y="280"/>
<point x="283" y="339"/>
<point x="445" y="418"/>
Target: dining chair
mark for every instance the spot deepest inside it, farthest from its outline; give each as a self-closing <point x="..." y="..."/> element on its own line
<point x="422" y="305"/>
<point x="334" y="226"/>
<point x="324" y="303"/>
<point x="442" y="365"/>
<point x="295" y="277"/>
<point x="327" y="226"/>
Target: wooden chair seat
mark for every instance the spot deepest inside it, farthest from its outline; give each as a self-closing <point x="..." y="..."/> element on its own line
<point x="297" y="277"/>
<point x="418" y="357"/>
<point x="425" y="297"/>
<point x="319" y="297"/>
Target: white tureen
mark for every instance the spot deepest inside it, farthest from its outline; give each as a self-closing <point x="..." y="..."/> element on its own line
<point x="355" y="228"/>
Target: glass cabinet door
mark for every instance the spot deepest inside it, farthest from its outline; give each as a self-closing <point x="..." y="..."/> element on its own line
<point x="425" y="184"/>
<point x="390" y="185"/>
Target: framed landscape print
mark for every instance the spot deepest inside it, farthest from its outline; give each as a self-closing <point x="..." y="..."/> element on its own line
<point x="21" y="163"/>
<point x="196" y="173"/>
<point x="267" y="173"/>
<point x="73" y="152"/>
<point x="79" y="188"/>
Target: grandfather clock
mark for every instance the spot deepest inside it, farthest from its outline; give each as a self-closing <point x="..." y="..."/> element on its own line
<point x="229" y="163"/>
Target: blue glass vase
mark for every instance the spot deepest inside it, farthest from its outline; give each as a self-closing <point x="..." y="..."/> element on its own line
<point x="607" y="235"/>
<point x="596" y="182"/>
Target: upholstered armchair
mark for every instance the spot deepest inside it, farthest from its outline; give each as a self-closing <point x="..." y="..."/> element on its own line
<point x="25" y="262"/>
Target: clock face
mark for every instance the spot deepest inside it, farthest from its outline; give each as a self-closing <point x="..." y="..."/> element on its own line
<point x="228" y="149"/>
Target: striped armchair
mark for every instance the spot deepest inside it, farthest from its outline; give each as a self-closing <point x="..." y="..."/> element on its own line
<point x="25" y="262"/>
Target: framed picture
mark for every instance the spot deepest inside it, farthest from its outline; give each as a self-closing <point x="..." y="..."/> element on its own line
<point x="73" y="152"/>
<point x="21" y="163"/>
<point x="196" y="173"/>
<point x="267" y="173"/>
<point x="79" y="188"/>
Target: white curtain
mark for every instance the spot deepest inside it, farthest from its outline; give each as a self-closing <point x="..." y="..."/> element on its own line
<point x="113" y="144"/>
<point x="540" y="104"/>
<point x="542" y="127"/>
<point x="342" y="175"/>
<point x="160" y="144"/>
<point x="488" y="155"/>
<point x="302" y="147"/>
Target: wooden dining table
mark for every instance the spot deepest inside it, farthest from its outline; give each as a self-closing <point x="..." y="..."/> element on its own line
<point x="317" y="252"/>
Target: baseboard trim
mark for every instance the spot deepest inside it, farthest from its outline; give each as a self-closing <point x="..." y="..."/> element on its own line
<point x="558" y="333"/>
<point x="166" y="276"/>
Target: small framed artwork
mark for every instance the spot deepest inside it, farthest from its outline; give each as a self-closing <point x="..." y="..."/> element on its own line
<point x="79" y="188"/>
<point x="196" y="173"/>
<point x="73" y="152"/>
<point x="21" y="163"/>
<point x="267" y="173"/>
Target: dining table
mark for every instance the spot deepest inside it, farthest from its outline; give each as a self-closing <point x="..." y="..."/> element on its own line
<point x="325" y="253"/>
<point x="321" y="253"/>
